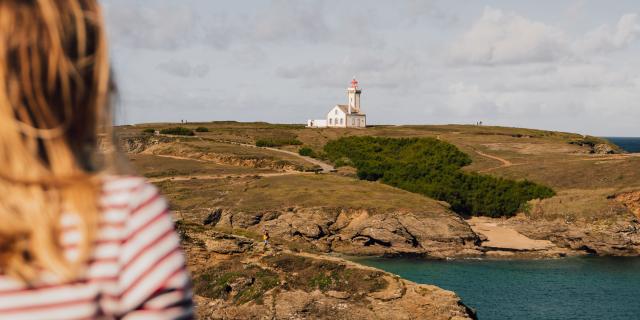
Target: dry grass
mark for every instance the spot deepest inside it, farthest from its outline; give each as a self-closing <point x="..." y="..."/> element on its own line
<point x="276" y="193"/>
<point x="584" y="172"/>
<point x="591" y="206"/>
<point x="153" y="166"/>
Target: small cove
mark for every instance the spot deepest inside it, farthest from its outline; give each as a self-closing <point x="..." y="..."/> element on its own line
<point x="571" y="288"/>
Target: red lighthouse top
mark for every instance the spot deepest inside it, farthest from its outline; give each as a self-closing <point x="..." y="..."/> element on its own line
<point x="354" y="83"/>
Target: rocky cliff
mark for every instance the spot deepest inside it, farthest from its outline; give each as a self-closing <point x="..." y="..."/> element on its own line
<point x="612" y="228"/>
<point x="361" y="232"/>
<point x="237" y="278"/>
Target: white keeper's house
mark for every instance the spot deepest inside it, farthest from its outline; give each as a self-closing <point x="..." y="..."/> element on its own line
<point x="344" y="115"/>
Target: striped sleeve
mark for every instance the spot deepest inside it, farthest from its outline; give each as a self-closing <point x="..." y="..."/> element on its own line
<point x="153" y="281"/>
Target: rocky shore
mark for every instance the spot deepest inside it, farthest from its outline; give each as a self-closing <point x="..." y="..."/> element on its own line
<point x="423" y="234"/>
<point x="237" y="278"/>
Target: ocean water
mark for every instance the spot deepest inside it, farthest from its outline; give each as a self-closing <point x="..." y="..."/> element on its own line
<point x="627" y="143"/>
<point x="572" y="288"/>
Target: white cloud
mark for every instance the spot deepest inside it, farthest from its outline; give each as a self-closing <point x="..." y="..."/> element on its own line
<point x="184" y="69"/>
<point x="606" y="38"/>
<point x="471" y="100"/>
<point x="162" y="27"/>
<point x="500" y="37"/>
<point x="285" y="20"/>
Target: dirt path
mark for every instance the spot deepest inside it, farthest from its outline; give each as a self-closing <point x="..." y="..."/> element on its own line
<point x="224" y="176"/>
<point x="326" y="168"/>
<point x="505" y="238"/>
<point x="219" y="176"/>
<point x="505" y="162"/>
<point x="179" y="157"/>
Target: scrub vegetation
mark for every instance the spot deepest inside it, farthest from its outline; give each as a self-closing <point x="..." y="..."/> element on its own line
<point x="433" y="168"/>
<point x="178" y="131"/>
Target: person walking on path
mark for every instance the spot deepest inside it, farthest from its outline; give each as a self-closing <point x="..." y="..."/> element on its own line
<point x="265" y="239"/>
<point x="79" y="237"/>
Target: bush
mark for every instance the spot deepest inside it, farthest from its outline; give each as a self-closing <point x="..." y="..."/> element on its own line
<point x="202" y="129"/>
<point x="179" y="131"/>
<point x="432" y="168"/>
<point x="275" y="142"/>
<point x="149" y="130"/>
<point x="306" y="151"/>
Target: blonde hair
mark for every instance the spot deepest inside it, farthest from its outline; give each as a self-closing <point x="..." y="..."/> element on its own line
<point x="54" y="90"/>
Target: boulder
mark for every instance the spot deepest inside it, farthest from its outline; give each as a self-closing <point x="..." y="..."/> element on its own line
<point x="603" y="148"/>
<point x="228" y="244"/>
<point x="213" y="218"/>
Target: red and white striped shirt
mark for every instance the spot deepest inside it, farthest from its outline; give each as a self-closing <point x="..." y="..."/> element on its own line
<point x="136" y="270"/>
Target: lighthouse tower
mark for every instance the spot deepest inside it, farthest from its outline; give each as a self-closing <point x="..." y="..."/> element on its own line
<point x="353" y="93"/>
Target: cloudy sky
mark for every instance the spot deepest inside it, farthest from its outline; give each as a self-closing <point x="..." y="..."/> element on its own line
<point x="560" y="65"/>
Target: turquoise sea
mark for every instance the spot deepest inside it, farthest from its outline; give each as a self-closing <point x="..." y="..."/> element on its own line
<point x="627" y="143"/>
<point x="572" y="288"/>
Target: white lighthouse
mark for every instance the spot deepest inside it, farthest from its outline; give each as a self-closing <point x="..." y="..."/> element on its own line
<point x="344" y="115"/>
<point x="353" y="94"/>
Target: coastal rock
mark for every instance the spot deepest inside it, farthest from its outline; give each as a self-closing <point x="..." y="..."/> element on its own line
<point x="631" y="200"/>
<point x="602" y="148"/>
<point x="360" y="232"/>
<point x="361" y="292"/>
<point x="619" y="238"/>
<point x="213" y="218"/>
<point x="227" y="244"/>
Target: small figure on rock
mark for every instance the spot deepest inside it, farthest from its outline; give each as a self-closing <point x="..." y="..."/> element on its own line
<point x="265" y="238"/>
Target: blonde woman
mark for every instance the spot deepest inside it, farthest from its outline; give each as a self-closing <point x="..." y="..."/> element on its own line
<point x="77" y="240"/>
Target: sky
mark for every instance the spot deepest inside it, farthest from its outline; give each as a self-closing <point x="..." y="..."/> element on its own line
<point x="570" y="66"/>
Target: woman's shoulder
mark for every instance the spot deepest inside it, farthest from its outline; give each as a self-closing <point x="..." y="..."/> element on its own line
<point x="123" y="183"/>
<point x="130" y="192"/>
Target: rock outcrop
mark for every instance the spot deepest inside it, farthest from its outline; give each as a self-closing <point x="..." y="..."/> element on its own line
<point x="618" y="238"/>
<point x="603" y="148"/>
<point x="360" y="232"/>
<point x="631" y="200"/>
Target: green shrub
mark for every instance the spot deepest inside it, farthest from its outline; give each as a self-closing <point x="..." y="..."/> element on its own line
<point x="179" y="131"/>
<point x="306" y="151"/>
<point x="202" y="129"/>
<point x="149" y="130"/>
<point x="432" y="167"/>
<point x="277" y="142"/>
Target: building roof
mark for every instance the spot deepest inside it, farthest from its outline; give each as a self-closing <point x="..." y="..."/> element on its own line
<point x="345" y="109"/>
